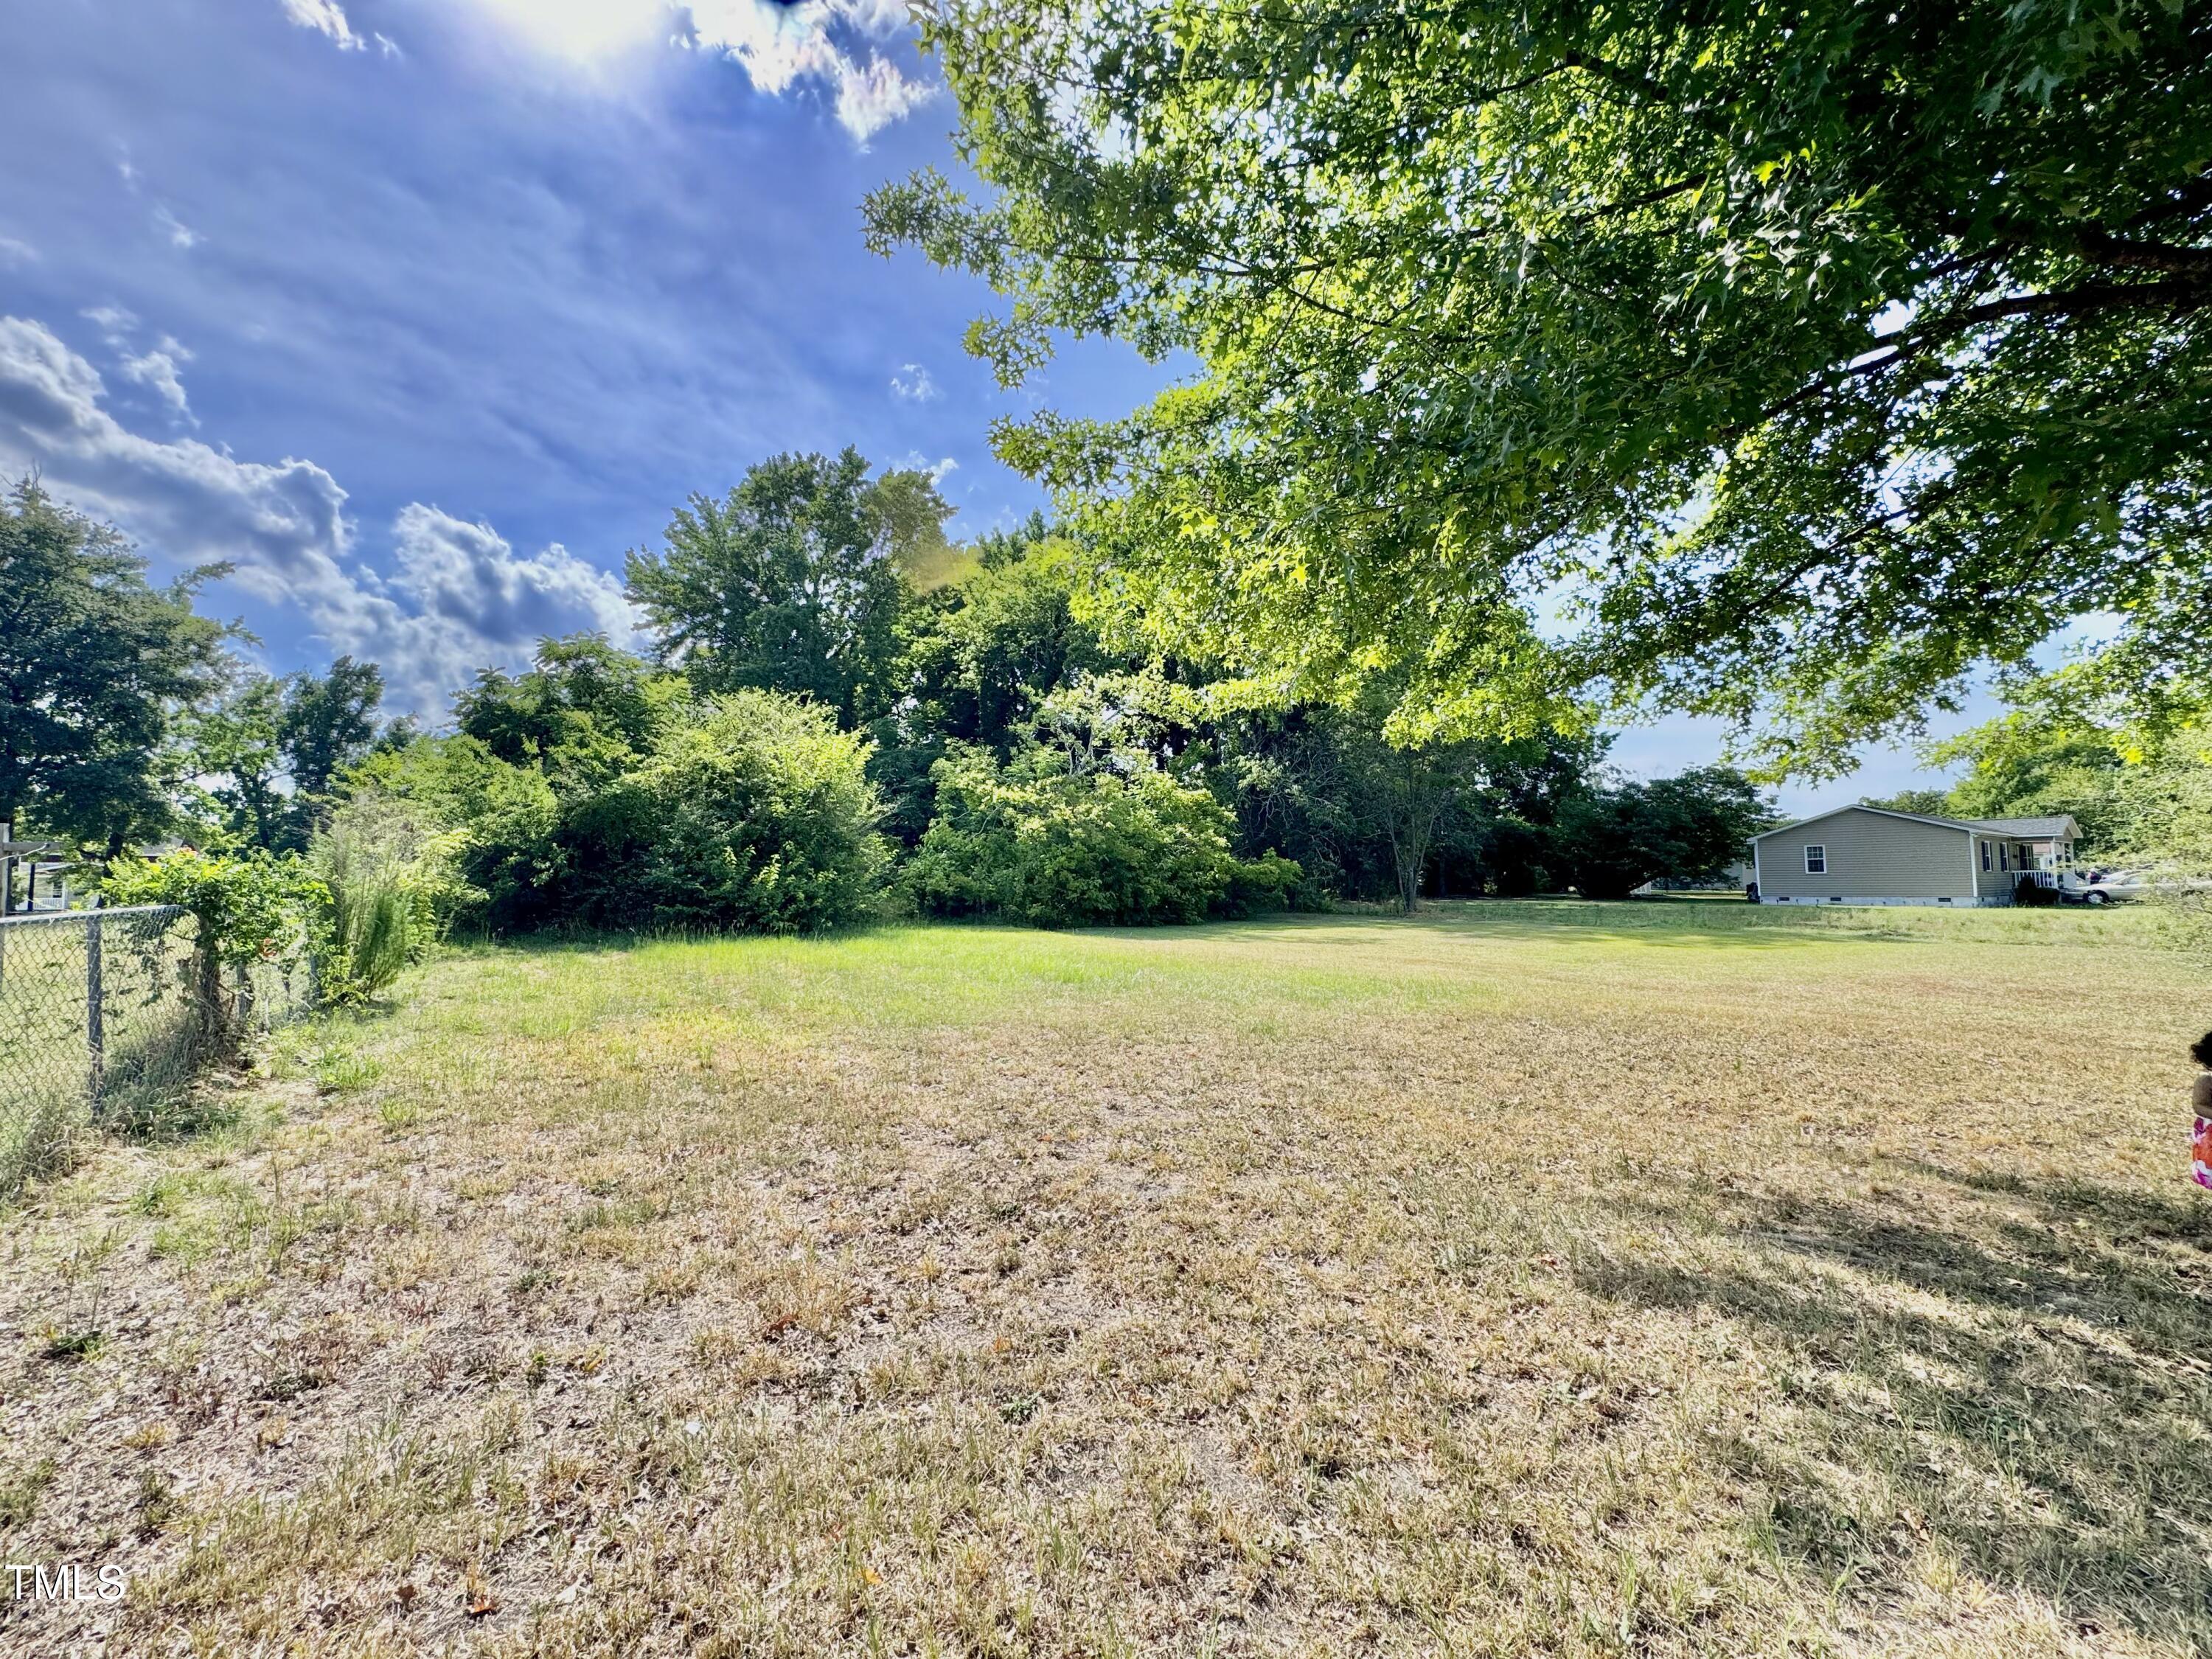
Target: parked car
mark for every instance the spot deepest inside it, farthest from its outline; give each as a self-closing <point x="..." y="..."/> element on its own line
<point x="2106" y="886"/>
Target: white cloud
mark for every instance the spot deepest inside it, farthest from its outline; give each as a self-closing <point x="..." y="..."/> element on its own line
<point x="157" y="371"/>
<point x="912" y="385"/>
<point x="160" y="371"/>
<point x="938" y="472"/>
<point x="14" y="253"/>
<point x="873" y="95"/>
<point x="829" y="44"/>
<point x="325" y="17"/>
<point x="459" y="598"/>
<point x="180" y="234"/>
<point x="466" y="575"/>
<point x="779" y="46"/>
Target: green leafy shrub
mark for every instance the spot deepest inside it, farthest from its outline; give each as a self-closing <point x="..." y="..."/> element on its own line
<point x="755" y="812"/>
<point x="251" y="906"/>
<point x="394" y="885"/>
<point x="511" y="862"/>
<point x="1122" y="843"/>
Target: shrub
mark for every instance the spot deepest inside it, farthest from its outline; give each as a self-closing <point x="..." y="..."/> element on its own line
<point x="755" y="813"/>
<point x="510" y="862"/>
<point x="394" y="886"/>
<point x="251" y="908"/>
<point x="1120" y="844"/>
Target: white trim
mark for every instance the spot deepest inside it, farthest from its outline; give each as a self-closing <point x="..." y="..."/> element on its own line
<point x="1879" y="812"/>
<point x="1758" y="876"/>
<point x="1811" y="848"/>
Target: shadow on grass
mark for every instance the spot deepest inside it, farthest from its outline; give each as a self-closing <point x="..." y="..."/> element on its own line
<point x="1646" y="923"/>
<point x="2027" y="1383"/>
<point x="1669" y="921"/>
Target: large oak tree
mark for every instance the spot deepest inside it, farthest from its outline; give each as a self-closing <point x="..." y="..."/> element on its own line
<point x="1782" y="362"/>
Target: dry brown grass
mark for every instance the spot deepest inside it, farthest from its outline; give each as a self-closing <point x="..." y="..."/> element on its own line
<point x="1661" y="1279"/>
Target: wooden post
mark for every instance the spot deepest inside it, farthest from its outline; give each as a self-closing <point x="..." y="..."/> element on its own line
<point x="95" y="1023"/>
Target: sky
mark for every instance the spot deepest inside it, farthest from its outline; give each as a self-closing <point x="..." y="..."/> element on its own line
<point x="419" y="314"/>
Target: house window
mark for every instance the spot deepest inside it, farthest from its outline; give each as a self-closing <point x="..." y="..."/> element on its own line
<point x="2004" y="856"/>
<point x="1985" y="856"/>
<point x="1816" y="859"/>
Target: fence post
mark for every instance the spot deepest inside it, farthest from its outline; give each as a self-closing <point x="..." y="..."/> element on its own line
<point x="95" y="1026"/>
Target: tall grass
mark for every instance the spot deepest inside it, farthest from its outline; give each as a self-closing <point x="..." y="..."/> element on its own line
<point x="393" y="889"/>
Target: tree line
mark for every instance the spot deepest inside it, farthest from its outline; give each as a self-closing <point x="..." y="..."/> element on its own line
<point x="838" y="710"/>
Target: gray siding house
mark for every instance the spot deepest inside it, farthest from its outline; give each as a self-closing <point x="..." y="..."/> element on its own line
<point x="1872" y="855"/>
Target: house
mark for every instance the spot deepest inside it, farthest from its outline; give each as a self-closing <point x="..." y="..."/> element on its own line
<point x="1873" y="855"/>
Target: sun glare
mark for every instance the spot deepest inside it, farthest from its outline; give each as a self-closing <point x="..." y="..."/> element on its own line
<point x="585" y="30"/>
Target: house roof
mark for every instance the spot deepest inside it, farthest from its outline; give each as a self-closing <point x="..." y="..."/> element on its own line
<point x="1879" y="812"/>
<point x="2062" y="828"/>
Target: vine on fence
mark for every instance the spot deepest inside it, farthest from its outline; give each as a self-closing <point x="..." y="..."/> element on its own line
<point x="253" y="908"/>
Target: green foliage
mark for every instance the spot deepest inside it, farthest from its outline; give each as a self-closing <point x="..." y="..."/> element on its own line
<point x="269" y="750"/>
<point x="790" y="583"/>
<point x="1927" y="803"/>
<point x="394" y="886"/>
<point x="512" y="861"/>
<point x="1055" y="847"/>
<point x="1815" y="354"/>
<point x="1369" y="818"/>
<point x="251" y="906"/>
<point x="2073" y="742"/>
<point x="757" y="814"/>
<point x="749" y="810"/>
<point x="92" y="662"/>
<point x="1689" y="828"/>
<point x="977" y="660"/>
<point x="584" y="710"/>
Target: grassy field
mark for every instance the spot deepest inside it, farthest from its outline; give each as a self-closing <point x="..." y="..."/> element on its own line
<point x="1550" y="1278"/>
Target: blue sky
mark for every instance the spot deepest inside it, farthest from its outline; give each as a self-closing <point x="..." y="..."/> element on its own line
<point x="422" y="311"/>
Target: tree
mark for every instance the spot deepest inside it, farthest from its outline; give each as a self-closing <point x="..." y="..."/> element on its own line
<point x="583" y="708"/>
<point x="93" y="662"/>
<point x="1815" y="354"/>
<point x="1049" y="840"/>
<point x="1405" y="795"/>
<point x="791" y="582"/>
<point x="755" y="813"/>
<point x="328" y="723"/>
<point x="231" y="752"/>
<point x="269" y="753"/>
<point x="1926" y="803"/>
<point x="977" y="660"/>
<point x="1690" y="827"/>
<point x="2069" y="743"/>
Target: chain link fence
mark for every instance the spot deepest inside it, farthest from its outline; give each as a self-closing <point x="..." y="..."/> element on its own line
<point x="106" y="1017"/>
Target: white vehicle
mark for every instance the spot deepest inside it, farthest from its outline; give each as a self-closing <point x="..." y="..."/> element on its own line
<point x="2105" y="886"/>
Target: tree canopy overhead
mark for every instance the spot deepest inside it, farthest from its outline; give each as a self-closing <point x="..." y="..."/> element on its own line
<point x="1777" y="362"/>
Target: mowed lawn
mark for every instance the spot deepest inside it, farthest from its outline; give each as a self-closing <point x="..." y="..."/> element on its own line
<point x="1548" y="1278"/>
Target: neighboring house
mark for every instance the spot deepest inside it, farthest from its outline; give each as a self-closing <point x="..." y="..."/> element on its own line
<point x="1872" y="855"/>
